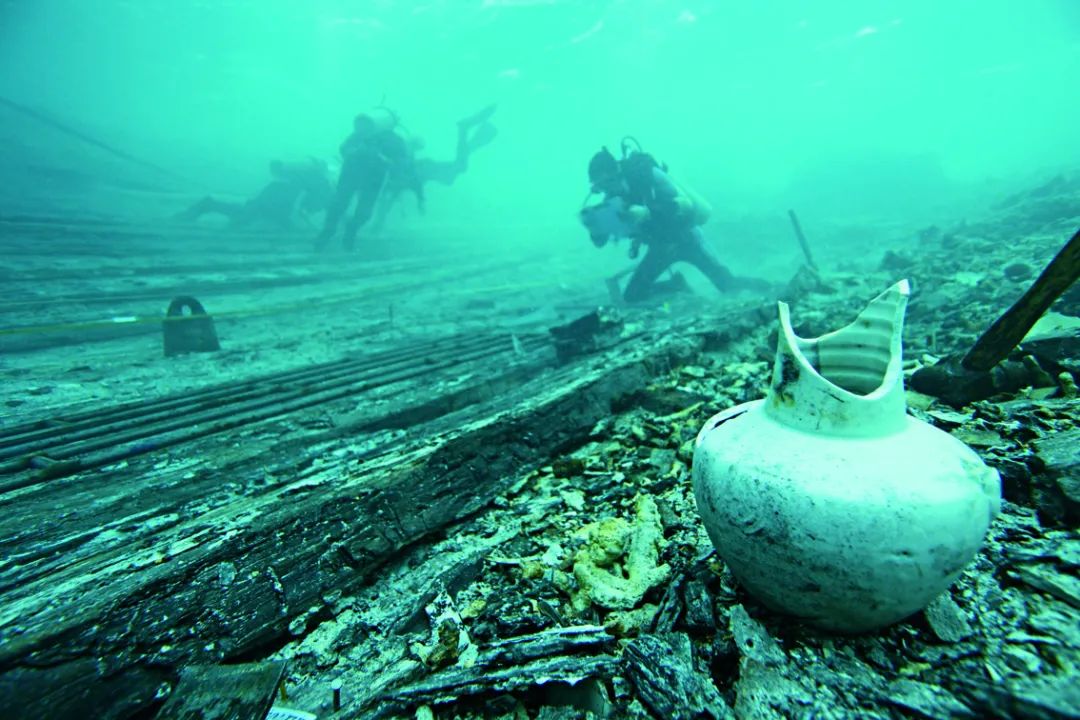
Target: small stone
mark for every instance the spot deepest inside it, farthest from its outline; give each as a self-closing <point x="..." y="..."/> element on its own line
<point x="693" y="371"/>
<point x="977" y="438"/>
<point x="1051" y="582"/>
<point x="1041" y="393"/>
<point x="947" y="620"/>
<point x="625" y="623"/>
<point x="574" y="499"/>
<point x="298" y="625"/>
<point x="699" y="607"/>
<point x="661" y="668"/>
<point x="1018" y="271"/>
<point x="1060" y="456"/>
<point x="474" y="609"/>
<point x="662" y="459"/>
<point x="1067" y="385"/>
<point x="567" y="467"/>
<point x="554" y="556"/>
<point x="967" y="278"/>
<point x="662" y="401"/>
<point x="895" y="261"/>
<point x="1022" y="660"/>
<point x="753" y="640"/>
<point x="949" y="418"/>
<point x="919" y="400"/>
<point x="926" y="700"/>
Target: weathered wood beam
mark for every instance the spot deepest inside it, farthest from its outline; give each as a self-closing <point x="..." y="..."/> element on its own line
<point x="1009" y="329"/>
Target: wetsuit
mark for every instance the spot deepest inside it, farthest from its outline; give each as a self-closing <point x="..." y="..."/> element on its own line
<point x="670" y="235"/>
<point x="296" y="186"/>
<point x="310" y="176"/>
<point x="365" y="163"/>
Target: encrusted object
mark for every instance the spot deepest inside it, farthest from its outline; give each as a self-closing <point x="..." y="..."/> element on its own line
<point x="619" y="562"/>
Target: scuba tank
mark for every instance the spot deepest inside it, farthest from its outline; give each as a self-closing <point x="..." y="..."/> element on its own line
<point x="698" y="209"/>
<point x="637" y="167"/>
<point x="385" y="118"/>
<point x="390" y="140"/>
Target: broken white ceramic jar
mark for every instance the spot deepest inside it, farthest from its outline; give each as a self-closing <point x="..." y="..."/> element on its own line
<point x="827" y="500"/>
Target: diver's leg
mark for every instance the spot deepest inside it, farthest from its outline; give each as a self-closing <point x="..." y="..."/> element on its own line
<point x="755" y="284"/>
<point x="346" y="188"/>
<point x="642" y="282"/>
<point x="461" y="152"/>
<point x="473" y="133"/>
<point x="469" y="140"/>
<point x="382" y="209"/>
<point x="388" y="198"/>
<point x="366" y="197"/>
<point x="273" y="206"/>
<point x="440" y="171"/>
<point x="481" y="136"/>
<point x="210" y="206"/>
<point x="195" y="211"/>
<point x="352" y="227"/>
<point x="700" y="256"/>
<point x="337" y="208"/>
<point x="245" y="215"/>
<point x="697" y="255"/>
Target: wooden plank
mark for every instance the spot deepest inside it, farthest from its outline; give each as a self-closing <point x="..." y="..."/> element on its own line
<point x="125" y="439"/>
<point x="70" y="521"/>
<point x="224" y="692"/>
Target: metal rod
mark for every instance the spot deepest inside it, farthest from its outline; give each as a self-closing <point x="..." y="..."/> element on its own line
<point x="802" y="238"/>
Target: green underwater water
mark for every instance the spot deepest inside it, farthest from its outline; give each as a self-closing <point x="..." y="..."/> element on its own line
<point x="904" y="109"/>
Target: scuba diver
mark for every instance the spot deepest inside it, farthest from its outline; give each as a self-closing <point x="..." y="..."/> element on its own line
<point x="473" y="133"/>
<point x="367" y="156"/>
<point x="642" y="202"/>
<point x="296" y="189"/>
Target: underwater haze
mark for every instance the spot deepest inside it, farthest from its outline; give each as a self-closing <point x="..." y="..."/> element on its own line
<point x="892" y="110"/>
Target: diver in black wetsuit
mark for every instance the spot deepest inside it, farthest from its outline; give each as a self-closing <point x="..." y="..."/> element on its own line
<point x="473" y="133"/>
<point x="296" y="189"/>
<point x="367" y="156"/>
<point x="643" y="203"/>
